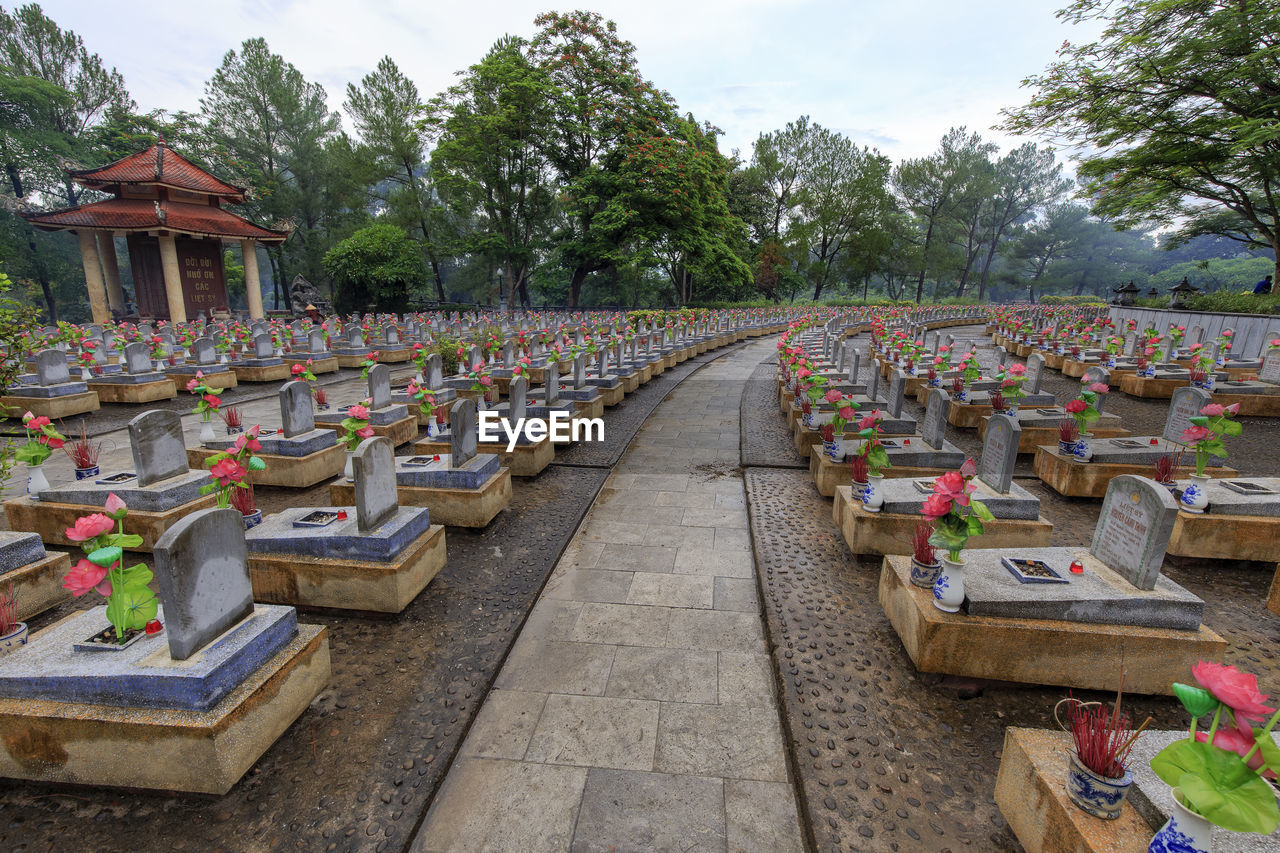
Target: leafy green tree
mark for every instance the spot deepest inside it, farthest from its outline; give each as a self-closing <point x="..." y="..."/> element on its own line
<point x="387" y="112"/>
<point x="489" y="158"/>
<point x="1175" y="106"/>
<point x="600" y="105"/>
<point x="376" y="267"/>
<point x="271" y="126"/>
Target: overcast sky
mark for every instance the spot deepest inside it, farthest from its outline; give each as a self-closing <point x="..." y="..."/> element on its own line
<point x="894" y="75"/>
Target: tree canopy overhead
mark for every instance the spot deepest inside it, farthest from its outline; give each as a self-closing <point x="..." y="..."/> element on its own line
<point x="1176" y="106"/>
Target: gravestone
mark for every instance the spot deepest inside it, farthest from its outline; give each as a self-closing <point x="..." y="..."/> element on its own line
<point x="518" y="394"/>
<point x="552" y="373"/>
<point x="1035" y="372"/>
<point x="374" y="467"/>
<point x="1270" y="371"/>
<point x="159" y="451"/>
<point x="873" y="387"/>
<point x="579" y="371"/>
<point x="1002" y="356"/>
<point x="897" y="389"/>
<point x="462" y="433"/>
<point x="379" y="386"/>
<point x="1133" y="529"/>
<point x="296" y="413"/>
<point x="508" y="354"/>
<point x="202" y="569"/>
<point x="392" y="335"/>
<point x="934" y="428"/>
<point x="434" y="372"/>
<point x="1185" y="403"/>
<point x="1130" y="343"/>
<point x="315" y="341"/>
<point x="855" y="359"/>
<point x="137" y="358"/>
<point x="354" y="337"/>
<point x="51" y="367"/>
<point x="204" y="351"/>
<point x="999" y="452"/>
<point x="263" y="347"/>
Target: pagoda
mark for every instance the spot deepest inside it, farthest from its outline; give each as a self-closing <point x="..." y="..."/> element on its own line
<point x="170" y="213"/>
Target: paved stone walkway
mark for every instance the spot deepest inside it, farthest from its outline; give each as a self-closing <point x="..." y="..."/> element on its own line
<point x="636" y="711"/>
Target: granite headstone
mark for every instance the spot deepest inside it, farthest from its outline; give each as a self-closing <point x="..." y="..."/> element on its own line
<point x="297" y="415"/>
<point x="374" y="467"/>
<point x="51" y="367"/>
<point x="159" y="451"/>
<point x="999" y="452"/>
<point x="1185" y="403"/>
<point x="379" y="386"/>
<point x="1133" y="529"/>
<point x="202" y="569"/>
<point x="463" y="433"/>
<point x="934" y="428"/>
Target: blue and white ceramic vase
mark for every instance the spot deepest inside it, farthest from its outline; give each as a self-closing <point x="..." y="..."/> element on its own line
<point x="834" y="453"/>
<point x="924" y="576"/>
<point x="873" y="495"/>
<point x="14" y="639"/>
<point x="1195" y="497"/>
<point x="948" y="589"/>
<point x="252" y="520"/>
<point x="1111" y="362"/>
<point x="1083" y="450"/>
<point x="961" y="396"/>
<point x="1184" y="832"/>
<point x="37" y="482"/>
<point x="858" y="490"/>
<point x="1149" y="371"/>
<point x="1094" y="793"/>
<point x="86" y="473"/>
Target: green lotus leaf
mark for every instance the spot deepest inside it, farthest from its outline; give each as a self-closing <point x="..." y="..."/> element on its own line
<point x="1196" y="700"/>
<point x="106" y="557"/>
<point x="256" y="464"/>
<point x="1217" y="785"/>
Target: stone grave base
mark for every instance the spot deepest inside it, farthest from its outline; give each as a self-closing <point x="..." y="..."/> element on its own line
<point x="610" y="397"/>
<point x="38" y="586"/>
<point x="1038" y="651"/>
<point x="593" y="408"/>
<point x="1151" y="388"/>
<point x="1273" y="597"/>
<point x="785" y="398"/>
<point x="1251" y="405"/>
<point x="51" y="520"/>
<point x="269" y="373"/>
<point x="805" y="439"/>
<point x="1032" y="437"/>
<point x="219" y="381"/>
<point x="395" y="356"/>
<point x="890" y="532"/>
<point x="350" y="360"/>
<point x="1053" y="361"/>
<point x="143" y="392"/>
<point x="348" y="584"/>
<point x="1023" y="350"/>
<point x="1076" y="368"/>
<point x="630" y="383"/>
<point x="290" y="472"/>
<point x="527" y="460"/>
<point x="203" y="752"/>
<point x="829" y="476"/>
<point x="967" y="415"/>
<point x="405" y="429"/>
<point x="1032" y="796"/>
<point x="325" y="364"/>
<point x="1220" y="537"/>
<point x="1089" y="479"/>
<point x="453" y="507"/>
<point x="668" y="361"/>
<point x="53" y="408"/>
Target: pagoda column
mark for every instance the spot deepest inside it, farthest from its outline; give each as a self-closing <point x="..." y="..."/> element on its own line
<point x="111" y="268"/>
<point x="252" y="285"/>
<point x="93" y="277"/>
<point x="172" y="279"/>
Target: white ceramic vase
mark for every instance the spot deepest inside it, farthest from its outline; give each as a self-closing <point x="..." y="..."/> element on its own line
<point x="348" y="470"/>
<point x="1195" y="497"/>
<point x="948" y="589"/>
<point x="1184" y="832"/>
<point x="873" y="496"/>
<point x="36" y="481"/>
<point x="206" y="432"/>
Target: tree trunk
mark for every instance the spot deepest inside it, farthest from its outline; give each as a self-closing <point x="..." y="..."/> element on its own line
<point x="575" y="284"/>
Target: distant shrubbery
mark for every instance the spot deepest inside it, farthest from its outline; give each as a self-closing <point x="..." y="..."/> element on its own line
<point x="1237" y="302"/>
<point x="1085" y="299"/>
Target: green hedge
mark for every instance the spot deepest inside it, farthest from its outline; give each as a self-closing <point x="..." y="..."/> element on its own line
<point x="1086" y="299"/>
<point x="1237" y="302"/>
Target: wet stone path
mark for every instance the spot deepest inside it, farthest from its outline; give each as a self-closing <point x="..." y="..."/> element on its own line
<point x="637" y="710"/>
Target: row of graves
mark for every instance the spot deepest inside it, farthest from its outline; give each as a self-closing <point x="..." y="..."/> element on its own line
<point x="1151" y="363"/>
<point x="972" y="587"/>
<point x="193" y="667"/>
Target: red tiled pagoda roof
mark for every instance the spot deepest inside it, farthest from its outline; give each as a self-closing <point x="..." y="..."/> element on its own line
<point x="158" y="165"/>
<point x="125" y="214"/>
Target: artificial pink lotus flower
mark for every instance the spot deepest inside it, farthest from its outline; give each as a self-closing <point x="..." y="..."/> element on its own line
<point x="1213" y="410"/>
<point x="1075" y="407"/>
<point x="1100" y="388"/>
<point x="1018" y="369"/>
<point x="953" y="486"/>
<point x="365" y="432"/>
<point x="89" y="527"/>
<point x="969" y="468"/>
<point x="85" y="576"/>
<point x="228" y="471"/>
<point x="847" y="413"/>
<point x="833" y="396"/>
<point x="358" y="412"/>
<point x="1237" y="690"/>
<point x="115" y="507"/>
<point x="936" y="506"/>
<point x="1194" y="433"/>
